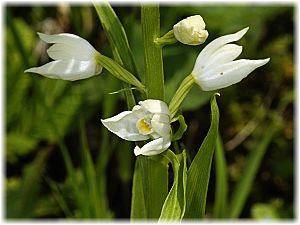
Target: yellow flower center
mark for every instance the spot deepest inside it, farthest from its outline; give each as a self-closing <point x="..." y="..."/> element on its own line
<point x="144" y="126"/>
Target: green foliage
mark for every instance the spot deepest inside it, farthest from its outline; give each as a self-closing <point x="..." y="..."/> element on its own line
<point x="221" y="192"/>
<point x="149" y="188"/>
<point x="199" y="172"/>
<point x="175" y="203"/>
<point x="242" y="189"/>
<point x="181" y="130"/>
<point x="25" y="193"/>
<point x="60" y="162"/>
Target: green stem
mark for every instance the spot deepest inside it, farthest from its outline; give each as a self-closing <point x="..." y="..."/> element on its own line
<point x="167" y="39"/>
<point x="153" y="175"/>
<point x="154" y="76"/>
<point x="180" y="94"/>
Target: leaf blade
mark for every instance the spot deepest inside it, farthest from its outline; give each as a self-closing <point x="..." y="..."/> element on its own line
<point x="220" y="205"/>
<point x="174" y="205"/>
<point x="199" y="171"/>
<point x="242" y="189"/>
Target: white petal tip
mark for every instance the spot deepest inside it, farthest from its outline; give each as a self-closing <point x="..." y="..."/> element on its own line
<point x="104" y="122"/>
<point x="137" y="151"/>
<point x="42" y="36"/>
<point x="262" y="62"/>
<point x="242" y="32"/>
<point x="31" y="70"/>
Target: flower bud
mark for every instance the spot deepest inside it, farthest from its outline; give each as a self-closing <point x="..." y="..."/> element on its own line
<point x="191" y="31"/>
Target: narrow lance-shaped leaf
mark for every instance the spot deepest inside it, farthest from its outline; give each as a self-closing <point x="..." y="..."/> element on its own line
<point x="199" y="171"/>
<point x="243" y="187"/>
<point x="221" y="187"/>
<point x="98" y="207"/>
<point x="116" y="36"/>
<point x="119" y="43"/>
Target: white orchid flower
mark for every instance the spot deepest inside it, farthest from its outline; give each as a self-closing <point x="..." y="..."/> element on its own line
<point x="191" y="31"/>
<point x="148" y="120"/>
<point x="215" y="67"/>
<point x="74" y="57"/>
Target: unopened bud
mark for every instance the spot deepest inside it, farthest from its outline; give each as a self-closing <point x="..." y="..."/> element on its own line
<point x="191" y="31"/>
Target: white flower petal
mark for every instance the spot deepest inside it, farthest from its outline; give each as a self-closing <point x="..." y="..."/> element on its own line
<point x="154" y="147"/>
<point x="69" y="39"/>
<point x="155" y="106"/>
<point x="124" y="125"/>
<point x="161" y="124"/>
<point x="206" y="53"/>
<point x="62" y="51"/>
<point x="228" y="74"/>
<point x="225" y="54"/>
<point x="139" y="111"/>
<point x="68" y="69"/>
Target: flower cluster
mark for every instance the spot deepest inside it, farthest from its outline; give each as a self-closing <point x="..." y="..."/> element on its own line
<point x="214" y="68"/>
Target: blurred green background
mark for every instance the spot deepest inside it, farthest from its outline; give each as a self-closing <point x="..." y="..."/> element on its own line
<point x="46" y="118"/>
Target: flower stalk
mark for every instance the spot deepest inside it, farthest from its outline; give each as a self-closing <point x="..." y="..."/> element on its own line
<point x="167" y="39"/>
<point x="118" y="71"/>
<point x="180" y="94"/>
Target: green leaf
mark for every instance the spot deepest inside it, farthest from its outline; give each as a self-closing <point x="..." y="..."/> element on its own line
<point x="116" y="35"/>
<point x="21" y="203"/>
<point x="18" y="145"/>
<point x="199" y="171"/>
<point x="181" y="130"/>
<point x="58" y="197"/>
<point x="220" y="204"/>
<point x="119" y="43"/>
<point x="97" y="204"/>
<point x="174" y="206"/>
<point x="243" y="187"/>
<point x="138" y="207"/>
<point x="261" y="211"/>
<point x="150" y="187"/>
